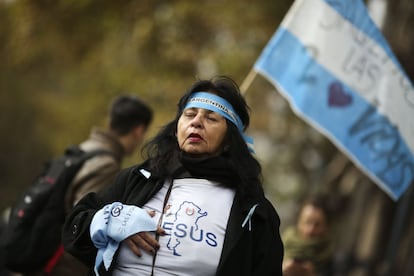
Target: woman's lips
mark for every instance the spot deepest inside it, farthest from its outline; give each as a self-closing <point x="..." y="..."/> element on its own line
<point x="194" y="137"/>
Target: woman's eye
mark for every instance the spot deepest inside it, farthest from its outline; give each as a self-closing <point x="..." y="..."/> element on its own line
<point x="214" y="119"/>
<point x="189" y="114"/>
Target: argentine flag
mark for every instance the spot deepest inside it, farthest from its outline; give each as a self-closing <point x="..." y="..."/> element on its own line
<point x="339" y="74"/>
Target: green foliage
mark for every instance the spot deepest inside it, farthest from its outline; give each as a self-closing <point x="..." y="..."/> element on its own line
<point x="63" y="61"/>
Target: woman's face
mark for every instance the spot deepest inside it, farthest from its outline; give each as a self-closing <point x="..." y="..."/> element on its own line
<point x="201" y="132"/>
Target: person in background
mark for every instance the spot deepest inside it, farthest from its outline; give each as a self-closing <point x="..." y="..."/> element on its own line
<point x="196" y="206"/>
<point x="308" y="245"/>
<point x="4" y="217"/>
<point x="128" y="120"/>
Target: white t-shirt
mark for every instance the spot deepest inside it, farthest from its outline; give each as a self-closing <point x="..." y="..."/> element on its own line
<point x="195" y="220"/>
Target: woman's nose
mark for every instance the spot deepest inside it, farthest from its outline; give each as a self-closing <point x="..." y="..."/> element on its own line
<point x="197" y="121"/>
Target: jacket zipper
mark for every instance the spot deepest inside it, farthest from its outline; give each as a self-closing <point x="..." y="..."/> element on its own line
<point x="157" y="236"/>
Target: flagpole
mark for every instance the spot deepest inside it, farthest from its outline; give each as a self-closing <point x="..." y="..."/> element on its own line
<point x="248" y="81"/>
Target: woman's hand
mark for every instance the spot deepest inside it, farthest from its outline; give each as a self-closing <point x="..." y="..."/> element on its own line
<point x="145" y="240"/>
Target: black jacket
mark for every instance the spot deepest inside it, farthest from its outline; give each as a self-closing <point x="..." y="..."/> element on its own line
<point x="257" y="251"/>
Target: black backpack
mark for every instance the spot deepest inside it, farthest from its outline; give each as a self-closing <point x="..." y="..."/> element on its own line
<point x="33" y="235"/>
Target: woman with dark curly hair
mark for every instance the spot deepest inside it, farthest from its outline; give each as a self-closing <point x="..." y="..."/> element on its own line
<point x="195" y="207"/>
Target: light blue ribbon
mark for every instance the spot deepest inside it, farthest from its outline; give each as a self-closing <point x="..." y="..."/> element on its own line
<point x="249" y="216"/>
<point x="114" y="223"/>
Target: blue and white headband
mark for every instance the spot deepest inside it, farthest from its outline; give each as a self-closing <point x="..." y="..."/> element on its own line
<point x="219" y="105"/>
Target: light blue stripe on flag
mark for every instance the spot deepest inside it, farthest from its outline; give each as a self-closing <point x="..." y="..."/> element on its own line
<point x="335" y="105"/>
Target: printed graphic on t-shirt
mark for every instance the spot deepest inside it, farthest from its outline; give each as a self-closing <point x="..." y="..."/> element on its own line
<point x="194" y="219"/>
<point x="190" y="230"/>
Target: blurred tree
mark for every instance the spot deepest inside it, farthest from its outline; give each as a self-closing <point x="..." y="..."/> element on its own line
<point x="62" y="62"/>
<point x="400" y="243"/>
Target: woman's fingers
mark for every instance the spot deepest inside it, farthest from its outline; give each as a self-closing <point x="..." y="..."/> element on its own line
<point x="133" y="247"/>
<point x="145" y="241"/>
<point x="149" y="239"/>
<point x="161" y="231"/>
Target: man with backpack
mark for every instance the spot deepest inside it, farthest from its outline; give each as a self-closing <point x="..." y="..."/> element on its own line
<point x="129" y="119"/>
<point x="99" y="159"/>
